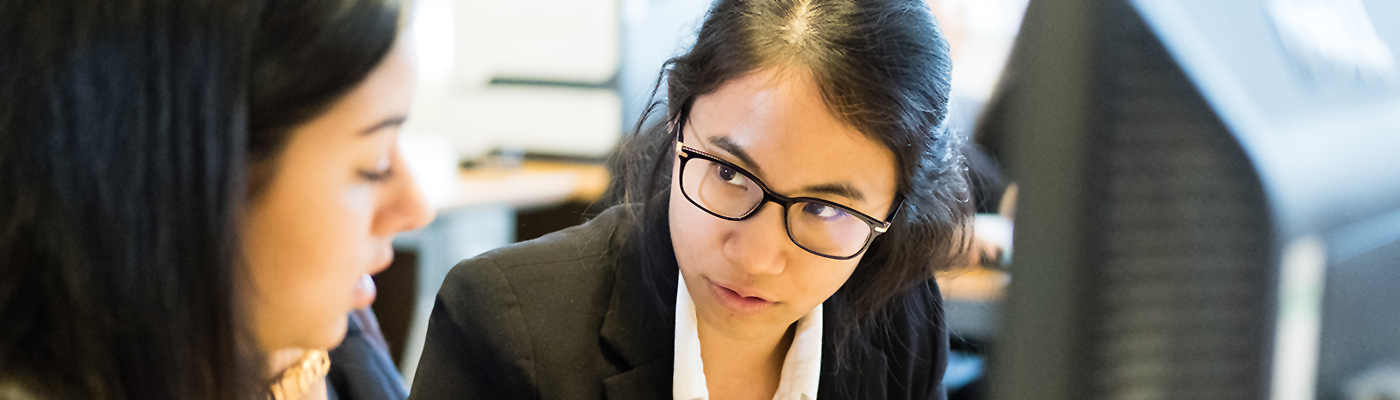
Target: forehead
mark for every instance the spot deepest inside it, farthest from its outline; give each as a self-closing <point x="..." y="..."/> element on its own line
<point x="392" y="83"/>
<point x="782" y="121"/>
<point x="387" y="90"/>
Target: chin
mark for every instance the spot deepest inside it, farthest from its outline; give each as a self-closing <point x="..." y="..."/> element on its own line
<point x="326" y="336"/>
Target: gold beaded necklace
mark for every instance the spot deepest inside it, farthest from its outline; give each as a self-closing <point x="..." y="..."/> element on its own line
<point x="297" y="381"/>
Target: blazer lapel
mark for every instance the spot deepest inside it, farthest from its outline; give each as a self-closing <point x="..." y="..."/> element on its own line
<point x="640" y="332"/>
<point x="650" y="381"/>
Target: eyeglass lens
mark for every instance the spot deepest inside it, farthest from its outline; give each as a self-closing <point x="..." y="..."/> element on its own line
<point x="817" y="227"/>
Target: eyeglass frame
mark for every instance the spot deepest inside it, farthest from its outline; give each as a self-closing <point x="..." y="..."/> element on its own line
<point x="685" y="153"/>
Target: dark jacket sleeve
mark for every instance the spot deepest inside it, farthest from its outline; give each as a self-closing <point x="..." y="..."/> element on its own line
<point x="477" y="345"/>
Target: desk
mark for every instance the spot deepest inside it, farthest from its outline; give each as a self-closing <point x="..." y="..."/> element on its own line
<point x="970" y="301"/>
<point x="535" y="183"/>
<point x="480" y="216"/>
<point x="972" y="295"/>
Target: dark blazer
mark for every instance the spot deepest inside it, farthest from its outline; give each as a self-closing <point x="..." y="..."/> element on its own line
<point x="360" y="367"/>
<point x="565" y="317"/>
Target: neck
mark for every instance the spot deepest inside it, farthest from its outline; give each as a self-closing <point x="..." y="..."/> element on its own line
<point x="743" y="365"/>
<point x="281" y="361"/>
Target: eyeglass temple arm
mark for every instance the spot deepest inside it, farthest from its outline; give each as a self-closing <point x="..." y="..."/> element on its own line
<point x="889" y="219"/>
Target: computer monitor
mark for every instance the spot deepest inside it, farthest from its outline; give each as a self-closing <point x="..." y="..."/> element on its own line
<point x="1209" y="200"/>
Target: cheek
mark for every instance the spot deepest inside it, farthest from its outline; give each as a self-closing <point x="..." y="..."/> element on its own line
<point x="813" y="283"/>
<point x="828" y="278"/>
<point x="683" y="231"/>
<point x="313" y="231"/>
<point x="306" y="243"/>
<point x="695" y="234"/>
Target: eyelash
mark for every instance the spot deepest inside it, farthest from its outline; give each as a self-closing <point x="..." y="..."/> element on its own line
<point x="377" y="176"/>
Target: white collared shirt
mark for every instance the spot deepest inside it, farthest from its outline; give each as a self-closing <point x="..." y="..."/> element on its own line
<point x="801" y="367"/>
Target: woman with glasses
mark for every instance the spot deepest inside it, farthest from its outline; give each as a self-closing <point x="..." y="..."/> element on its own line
<point x="775" y="238"/>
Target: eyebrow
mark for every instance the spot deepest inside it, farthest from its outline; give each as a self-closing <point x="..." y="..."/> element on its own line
<point x="838" y="189"/>
<point x="728" y="145"/>
<point x="391" y="122"/>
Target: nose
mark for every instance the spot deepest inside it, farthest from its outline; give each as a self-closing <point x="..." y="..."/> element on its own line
<point x="760" y="243"/>
<point x="405" y="207"/>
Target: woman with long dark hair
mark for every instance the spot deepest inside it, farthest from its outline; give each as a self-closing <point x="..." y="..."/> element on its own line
<point x="775" y="238"/>
<point x="194" y="191"/>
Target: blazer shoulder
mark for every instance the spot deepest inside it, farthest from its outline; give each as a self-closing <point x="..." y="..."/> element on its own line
<point x="526" y="313"/>
<point x="578" y="258"/>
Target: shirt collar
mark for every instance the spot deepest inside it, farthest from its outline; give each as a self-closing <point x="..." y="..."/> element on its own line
<point x="801" y="366"/>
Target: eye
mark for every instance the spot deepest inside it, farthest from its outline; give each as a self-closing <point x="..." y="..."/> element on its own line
<point x="383" y="170"/>
<point x="377" y="176"/>
<point x="730" y="176"/>
<point x="823" y="211"/>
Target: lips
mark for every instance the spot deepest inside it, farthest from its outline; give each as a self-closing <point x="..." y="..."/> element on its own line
<point x="743" y="292"/>
<point x="739" y="300"/>
<point x="364" y="292"/>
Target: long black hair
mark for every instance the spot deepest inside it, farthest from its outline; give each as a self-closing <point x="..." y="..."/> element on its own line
<point x="129" y="133"/>
<point x="883" y="67"/>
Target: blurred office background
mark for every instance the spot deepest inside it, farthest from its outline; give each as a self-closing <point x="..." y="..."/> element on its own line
<point x="1209" y="197"/>
<point x="566" y="79"/>
<point x="520" y="101"/>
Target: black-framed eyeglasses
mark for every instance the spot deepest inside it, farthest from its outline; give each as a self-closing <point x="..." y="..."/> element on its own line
<point x="731" y="193"/>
